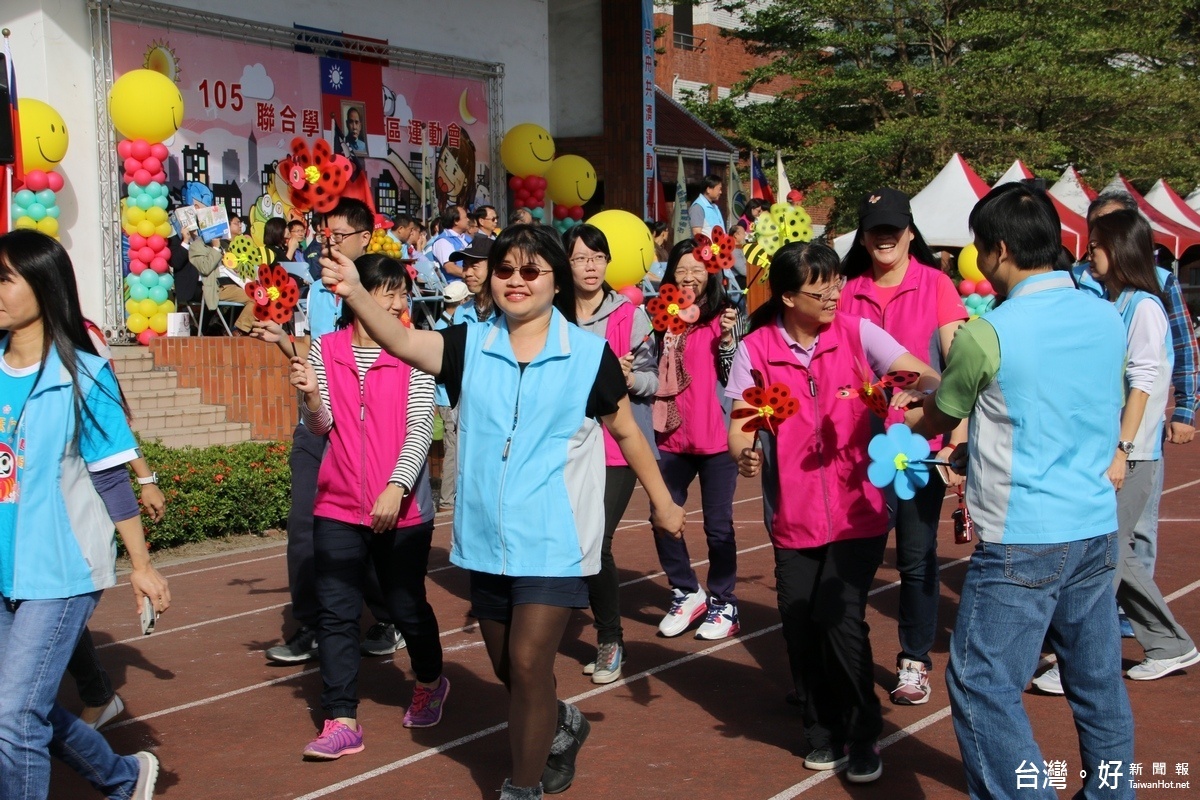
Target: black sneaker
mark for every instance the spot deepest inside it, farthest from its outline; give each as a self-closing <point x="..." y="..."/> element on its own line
<point x="382" y="639"/>
<point x="296" y="650"/>
<point x="865" y="765"/>
<point x="823" y="758"/>
<point x="560" y="768"/>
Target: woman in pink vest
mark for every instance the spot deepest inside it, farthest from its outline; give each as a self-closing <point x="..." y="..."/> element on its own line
<point x="893" y="281"/>
<point x="690" y="415"/>
<point x="828" y="524"/>
<point x="373" y="506"/>
<point x="613" y="317"/>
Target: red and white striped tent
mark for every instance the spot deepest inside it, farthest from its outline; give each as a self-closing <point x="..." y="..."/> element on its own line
<point x="1166" y="200"/>
<point x="1170" y="234"/>
<point x="1074" y="226"/>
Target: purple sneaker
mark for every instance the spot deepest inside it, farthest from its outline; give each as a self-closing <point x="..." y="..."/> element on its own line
<point x="427" y="704"/>
<point x="335" y="741"/>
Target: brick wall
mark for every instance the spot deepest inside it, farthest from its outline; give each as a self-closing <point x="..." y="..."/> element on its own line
<point x="720" y="60"/>
<point x="245" y="375"/>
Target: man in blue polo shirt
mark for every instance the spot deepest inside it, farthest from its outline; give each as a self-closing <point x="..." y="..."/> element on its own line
<point x="1041" y="380"/>
<point x="703" y="215"/>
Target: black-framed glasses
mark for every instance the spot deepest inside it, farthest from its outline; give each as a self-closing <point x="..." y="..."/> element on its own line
<point x="338" y="238"/>
<point x="831" y="293"/>
<point x="599" y="259"/>
<point x="528" y="273"/>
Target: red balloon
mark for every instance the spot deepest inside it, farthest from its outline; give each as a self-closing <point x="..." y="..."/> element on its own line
<point x="36" y="181"/>
<point x="152" y="164"/>
<point x="140" y="149"/>
<point x="136" y="241"/>
<point x="560" y="212"/>
<point x="56" y="181"/>
<point x="577" y="213"/>
<point x="141" y="177"/>
<point x="132" y="165"/>
<point x="538" y="182"/>
<point x="984" y="289"/>
<point x="966" y="287"/>
<point x="159" y="151"/>
<point x="159" y="265"/>
<point x="159" y="177"/>
<point x="145" y="254"/>
<point x="633" y="293"/>
<point x="515" y="183"/>
<point x="156" y="243"/>
<point x="124" y="148"/>
<point x="146" y="336"/>
<point x="137" y="267"/>
<point x="521" y="196"/>
<point x="539" y="196"/>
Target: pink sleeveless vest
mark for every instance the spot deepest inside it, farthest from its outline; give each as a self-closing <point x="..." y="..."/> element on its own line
<point x="618" y="329"/>
<point x="703" y="430"/>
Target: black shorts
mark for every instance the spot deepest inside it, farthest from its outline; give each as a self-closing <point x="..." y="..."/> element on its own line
<point x="493" y="596"/>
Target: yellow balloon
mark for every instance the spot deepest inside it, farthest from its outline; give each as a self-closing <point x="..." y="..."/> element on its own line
<point x="630" y="243"/>
<point x="968" y="264"/>
<point x="137" y="323"/>
<point x="48" y="226"/>
<point x="156" y="215"/>
<point x="148" y="308"/>
<point x="134" y="215"/>
<point x="25" y="223"/>
<point x="131" y="307"/>
<point x="158" y="323"/>
<point x="145" y="228"/>
<point x="527" y="149"/>
<point x="571" y="181"/>
<point x="44" y="137"/>
<point x="164" y="230"/>
<point x="145" y="104"/>
<point x="166" y="307"/>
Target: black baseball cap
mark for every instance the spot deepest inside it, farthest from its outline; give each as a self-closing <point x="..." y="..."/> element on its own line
<point x="884" y="207"/>
<point x="478" y="250"/>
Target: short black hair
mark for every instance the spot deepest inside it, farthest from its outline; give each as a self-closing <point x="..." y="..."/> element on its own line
<point x="356" y="213"/>
<point x="712" y="181"/>
<point x="401" y="221"/>
<point x="450" y="216"/>
<point x="481" y="212"/>
<point x="1024" y="219"/>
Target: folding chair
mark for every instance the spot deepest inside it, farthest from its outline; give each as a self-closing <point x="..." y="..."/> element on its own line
<point x="221" y="315"/>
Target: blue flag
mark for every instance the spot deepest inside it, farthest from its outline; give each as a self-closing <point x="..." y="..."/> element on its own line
<point x="335" y="77"/>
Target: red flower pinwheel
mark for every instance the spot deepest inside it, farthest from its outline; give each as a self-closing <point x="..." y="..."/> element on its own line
<point x="275" y="294"/>
<point x="771" y="405"/>
<point x="317" y="178"/>
<point x="672" y="310"/>
<point x="715" y="252"/>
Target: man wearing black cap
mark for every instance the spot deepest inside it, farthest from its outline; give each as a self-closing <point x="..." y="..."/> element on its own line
<point x="474" y="273"/>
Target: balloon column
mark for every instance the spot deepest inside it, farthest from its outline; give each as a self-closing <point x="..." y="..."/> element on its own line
<point x="44" y="143"/>
<point x="527" y="151"/>
<point x="978" y="295"/>
<point x="144" y="106"/>
<point x="570" y="182"/>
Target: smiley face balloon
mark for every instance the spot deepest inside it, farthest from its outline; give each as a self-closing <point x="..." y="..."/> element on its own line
<point x="571" y="181"/>
<point x="44" y="137"/>
<point x="145" y="104"/>
<point x="631" y="246"/>
<point x="527" y="149"/>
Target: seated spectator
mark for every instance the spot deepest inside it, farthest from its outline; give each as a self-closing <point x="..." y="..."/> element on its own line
<point x="220" y="283"/>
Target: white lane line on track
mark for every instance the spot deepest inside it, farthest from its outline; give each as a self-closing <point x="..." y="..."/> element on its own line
<point x="210" y="569"/>
<point x="1191" y="587"/>
<point x="1181" y="486"/>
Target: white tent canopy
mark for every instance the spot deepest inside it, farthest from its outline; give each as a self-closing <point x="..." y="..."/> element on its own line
<point x="1193" y="200"/>
<point x="1072" y="192"/>
<point x="1172" y="206"/>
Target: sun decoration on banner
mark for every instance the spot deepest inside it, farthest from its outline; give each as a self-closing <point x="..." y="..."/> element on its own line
<point x="161" y="58"/>
<point x="336" y="78"/>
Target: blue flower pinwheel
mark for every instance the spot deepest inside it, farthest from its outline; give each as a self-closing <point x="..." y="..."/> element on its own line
<point x="897" y="458"/>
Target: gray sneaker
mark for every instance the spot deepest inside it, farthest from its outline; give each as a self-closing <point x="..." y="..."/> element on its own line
<point x="382" y="639"/>
<point x="147" y="775"/>
<point x="296" y="650"/>
<point x="610" y="657"/>
<point x="1154" y="668"/>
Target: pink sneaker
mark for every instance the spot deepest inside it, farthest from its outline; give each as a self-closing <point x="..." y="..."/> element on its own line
<point x="336" y="740"/>
<point x="425" y="711"/>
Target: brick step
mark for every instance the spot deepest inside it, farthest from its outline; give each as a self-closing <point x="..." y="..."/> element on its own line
<point x="201" y="435"/>
<point x="141" y="399"/>
<point x="165" y="418"/>
<point x="159" y="380"/>
<point x="128" y="360"/>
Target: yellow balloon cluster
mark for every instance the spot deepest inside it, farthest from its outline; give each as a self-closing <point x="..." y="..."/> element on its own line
<point x="381" y="242"/>
<point x="145" y="222"/>
<point x="527" y="149"/>
<point x="784" y="223"/>
<point x="145" y="104"/>
<point x="571" y="181"/>
<point x="968" y="264"/>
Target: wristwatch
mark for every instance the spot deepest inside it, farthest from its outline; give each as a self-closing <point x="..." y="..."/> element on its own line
<point x="147" y="481"/>
<point x="1125" y="447"/>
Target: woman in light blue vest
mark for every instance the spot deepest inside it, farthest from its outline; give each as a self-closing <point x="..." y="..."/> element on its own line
<point x="531" y="390"/>
<point x="64" y="444"/>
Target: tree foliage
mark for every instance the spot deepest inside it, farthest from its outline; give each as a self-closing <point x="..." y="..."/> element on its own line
<point x="883" y="92"/>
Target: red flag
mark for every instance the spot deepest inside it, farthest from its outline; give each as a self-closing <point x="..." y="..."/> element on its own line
<point x="759" y="187"/>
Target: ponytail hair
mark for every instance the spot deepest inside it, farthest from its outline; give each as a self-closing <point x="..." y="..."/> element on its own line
<point x="794" y="266"/>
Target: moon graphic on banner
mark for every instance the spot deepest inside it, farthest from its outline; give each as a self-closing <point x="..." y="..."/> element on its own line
<point x="465" y="112"/>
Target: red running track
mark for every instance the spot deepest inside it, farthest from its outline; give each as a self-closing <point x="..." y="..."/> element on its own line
<point x="691" y="719"/>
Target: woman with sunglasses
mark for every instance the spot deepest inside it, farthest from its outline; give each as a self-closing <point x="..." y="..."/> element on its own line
<point x="531" y="390"/>
<point x="893" y="280"/>
<point x="374" y="506"/>
<point x="64" y="445"/>
<point x="690" y="417"/>
<point x="826" y="521"/>
<point x="613" y="317"/>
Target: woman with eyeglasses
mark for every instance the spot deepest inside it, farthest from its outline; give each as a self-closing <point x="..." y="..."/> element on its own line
<point x="894" y="280"/>
<point x="826" y="521"/>
<point x="613" y="317"/>
<point x="690" y="416"/>
<point x="532" y="391"/>
<point x="374" y="507"/>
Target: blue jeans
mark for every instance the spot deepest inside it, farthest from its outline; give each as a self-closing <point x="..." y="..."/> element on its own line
<point x="37" y="638"/>
<point x="1013" y="597"/>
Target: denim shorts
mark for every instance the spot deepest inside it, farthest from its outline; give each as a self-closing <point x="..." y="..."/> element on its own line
<point x="493" y="596"/>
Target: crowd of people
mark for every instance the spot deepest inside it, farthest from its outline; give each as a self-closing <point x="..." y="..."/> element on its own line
<point x="558" y="397"/>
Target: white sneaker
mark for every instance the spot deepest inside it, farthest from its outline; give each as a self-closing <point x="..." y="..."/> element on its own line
<point x="721" y="622"/>
<point x="114" y="707"/>
<point x="1050" y="681"/>
<point x="147" y="775"/>
<point x="1154" y="668"/>
<point x="685" y="609"/>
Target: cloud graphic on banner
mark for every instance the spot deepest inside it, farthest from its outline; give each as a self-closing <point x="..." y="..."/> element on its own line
<point x="396" y="105"/>
<point x="257" y="83"/>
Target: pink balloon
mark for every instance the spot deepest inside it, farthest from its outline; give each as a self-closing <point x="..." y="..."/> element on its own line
<point x="984" y="289"/>
<point x="633" y="293"/>
<point x="156" y="243"/>
<point x="136" y="266"/>
<point x="159" y="177"/>
<point x="142" y="177"/>
<point x="159" y="265"/>
<point x="142" y="254"/>
<point x="124" y="148"/>
<point x="127" y="177"/>
<point x="152" y="164"/>
<point x="36" y="181"/>
<point x="140" y="149"/>
<point x="576" y="213"/>
<point x="966" y="287"/>
<point x="132" y="165"/>
<point x="136" y="241"/>
<point x="146" y="336"/>
<point x="159" y="151"/>
<point x="56" y="181"/>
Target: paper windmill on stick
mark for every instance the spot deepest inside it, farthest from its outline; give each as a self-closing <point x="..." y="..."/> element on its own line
<point x="872" y="392"/>
<point x="770" y="405"/>
<point x="715" y="252"/>
<point x="275" y="294"/>
<point x="673" y="310"/>
<point x="317" y="178"/>
<point x="900" y="458"/>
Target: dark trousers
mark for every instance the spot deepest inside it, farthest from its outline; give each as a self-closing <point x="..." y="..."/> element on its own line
<point x="718" y="480"/>
<point x="916" y="560"/>
<point x="305" y="462"/>
<point x="345" y="554"/>
<point x="604" y="586"/>
<point x="823" y="602"/>
<point x="95" y="689"/>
